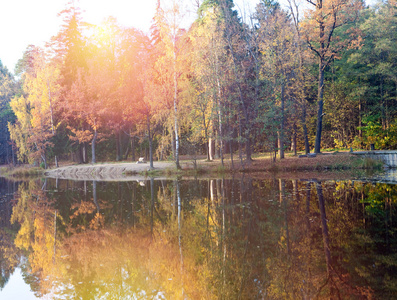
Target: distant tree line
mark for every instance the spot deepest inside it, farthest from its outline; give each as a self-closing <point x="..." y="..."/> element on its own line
<point x="275" y="81"/>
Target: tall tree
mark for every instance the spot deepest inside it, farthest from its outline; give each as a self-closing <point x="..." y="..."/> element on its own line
<point x="69" y="47"/>
<point x="8" y="88"/>
<point x="86" y="105"/>
<point x="239" y="66"/>
<point x="170" y="43"/>
<point x="113" y="62"/>
<point x="302" y="77"/>
<point x="277" y="43"/>
<point x="69" y="44"/>
<point x="319" y="30"/>
<point x="135" y="69"/>
<point x="209" y="77"/>
<point x="366" y="78"/>
<point x="146" y="104"/>
<point x="35" y="108"/>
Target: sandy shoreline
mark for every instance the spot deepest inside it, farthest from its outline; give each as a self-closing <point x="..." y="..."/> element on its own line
<point x="105" y="171"/>
<point x="322" y="167"/>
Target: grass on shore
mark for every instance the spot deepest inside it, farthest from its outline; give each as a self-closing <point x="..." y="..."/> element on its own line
<point x="21" y="171"/>
<point x="335" y="161"/>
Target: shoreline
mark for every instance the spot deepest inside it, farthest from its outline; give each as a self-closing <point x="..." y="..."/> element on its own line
<point x="303" y="167"/>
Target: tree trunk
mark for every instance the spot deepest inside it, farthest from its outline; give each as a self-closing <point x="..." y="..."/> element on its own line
<point x="280" y="132"/>
<point x="294" y="139"/>
<point x="220" y="119"/>
<point x="305" y="136"/>
<point x="360" y="124"/>
<point x="240" y="148"/>
<point x="206" y="136"/>
<point x="150" y="144"/>
<point x="231" y="152"/>
<point x="118" y="143"/>
<point x="173" y="143"/>
<point x="93" y="147"/>
<point x="317" y="145"/>
<point x="211" y="149"/>
<point x="84" y="150"/>
<point x="248" y="151"/>
<point x="321" y="66"/>
<point x="280" y="145"/>
<point x="127" y="152"/>
<point x="162" y="150"/>
<point x="216" y="146"/>
<point x="176" y="109"/>
<point x="207" y="149"/>
<point x="52" y="117"/>
<point x="77" y="155"/>
<point x="84" y="153"/>
<point x="44" y="161"/>
<point x="133" y="148"/>
<point x="13" y="156"/>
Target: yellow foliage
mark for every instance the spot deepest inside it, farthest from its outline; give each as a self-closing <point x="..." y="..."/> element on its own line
<point x="35" y="122"/>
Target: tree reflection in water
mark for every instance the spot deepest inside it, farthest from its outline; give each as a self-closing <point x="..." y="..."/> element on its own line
<point x="9" y="254"/>
<point x="238" y="238"/>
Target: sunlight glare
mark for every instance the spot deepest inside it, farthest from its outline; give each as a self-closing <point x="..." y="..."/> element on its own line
<point x="131" y="13"/>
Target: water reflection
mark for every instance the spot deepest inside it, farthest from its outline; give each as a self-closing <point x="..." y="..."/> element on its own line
<point x="239" y="238"/>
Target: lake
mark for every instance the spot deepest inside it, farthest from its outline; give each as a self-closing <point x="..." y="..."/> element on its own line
<point x="212" y="238"/>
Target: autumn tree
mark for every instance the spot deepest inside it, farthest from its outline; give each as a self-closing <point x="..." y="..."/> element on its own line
<point x="103" y="81"/>
<point x="119" y="51"/>
<point x="245" y="87"/>
<point x="134" y="68"/>
<point x="69" y="44"/>
<point x="232" y="59"/>
<point x="143" y="94"/>
<point x="323" y="20"/>
<point x="35" y="108"/>
<point x="277" y="44"/>
<point x="209" y="80"/>
<point x="169" y="63"/>
<point x="69" y="50"/>
<point x="303" y="77"/>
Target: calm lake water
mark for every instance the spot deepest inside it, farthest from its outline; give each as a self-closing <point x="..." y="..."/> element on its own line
<point x="240" y="238"/>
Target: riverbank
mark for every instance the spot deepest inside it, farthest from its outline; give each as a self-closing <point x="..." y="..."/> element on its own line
<point x="194" y="167"/>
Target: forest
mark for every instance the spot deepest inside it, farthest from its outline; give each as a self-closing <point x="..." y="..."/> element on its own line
<point x="293" y="77"/>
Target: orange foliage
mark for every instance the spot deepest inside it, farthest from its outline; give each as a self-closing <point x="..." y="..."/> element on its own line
<point x="323" y="20"/>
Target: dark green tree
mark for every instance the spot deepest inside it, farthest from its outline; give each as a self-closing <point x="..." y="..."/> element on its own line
<point x="8" y="88"/>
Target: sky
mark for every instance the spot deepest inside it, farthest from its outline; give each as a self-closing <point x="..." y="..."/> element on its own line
<point x="16" y="288"/>
<point x="25" y="22"/>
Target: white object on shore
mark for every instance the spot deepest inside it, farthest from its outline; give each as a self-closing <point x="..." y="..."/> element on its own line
<point x="141" y="160"/>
